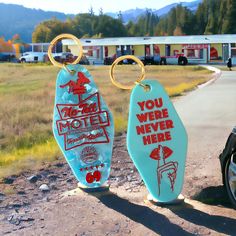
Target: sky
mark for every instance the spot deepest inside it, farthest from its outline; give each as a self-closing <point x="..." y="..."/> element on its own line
<point x="80" y="6"/>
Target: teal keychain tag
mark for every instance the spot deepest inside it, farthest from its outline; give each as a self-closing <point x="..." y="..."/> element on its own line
<point x="156" y="138"/>
<point x="82" y="124"/>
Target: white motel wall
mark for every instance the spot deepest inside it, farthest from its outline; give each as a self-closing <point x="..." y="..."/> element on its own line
<point x="199" y="49"/>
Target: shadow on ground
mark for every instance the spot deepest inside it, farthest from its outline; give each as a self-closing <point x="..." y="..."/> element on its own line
<point x="214" y="195"/>
<point x="220" y="224"/>
<point x="142" y="214"/>
<point x="161" y="224"/>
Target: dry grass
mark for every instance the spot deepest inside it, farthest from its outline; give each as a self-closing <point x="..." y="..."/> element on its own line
<point x="27" y="99"/>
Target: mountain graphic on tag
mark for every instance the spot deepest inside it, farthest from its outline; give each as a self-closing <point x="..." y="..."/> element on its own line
<point x="83" y="126"/>
<point x="157" y="141"/>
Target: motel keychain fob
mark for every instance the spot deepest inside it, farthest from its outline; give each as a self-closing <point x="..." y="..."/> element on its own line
<point x="82" y="124"/>
<point x="156" y="137"/>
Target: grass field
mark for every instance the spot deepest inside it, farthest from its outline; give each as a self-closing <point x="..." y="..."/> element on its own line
<point x="27" y="99"/>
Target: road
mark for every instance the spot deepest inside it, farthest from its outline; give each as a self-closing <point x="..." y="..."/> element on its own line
<point x="209" y="114"/>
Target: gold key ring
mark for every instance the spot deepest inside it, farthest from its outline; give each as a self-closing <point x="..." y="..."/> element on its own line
<point x="53" y="43"/>
<point x="118" y="84"/>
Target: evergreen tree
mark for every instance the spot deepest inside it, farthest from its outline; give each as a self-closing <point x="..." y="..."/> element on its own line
<point x="100" y="11"/>
<point x="229" y="27"/>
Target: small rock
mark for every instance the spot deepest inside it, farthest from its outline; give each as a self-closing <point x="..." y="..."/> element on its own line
<point x="2" y="196"/>
<point x="53" y="187"/>
<point x="8" y="180"/>
<point x="44" y="188"/>
<point x="10" y="217"/>
<point x="69" y="180"/>
<point x="13" y="219"/>
<point x="14" y="205"/>
<point x="59" y="165"/>
<point x="52" y="177"/>
<point x="21" y="192"/>
<point x="46" y="199"/>
<point x="127" y="231"/>
<point x="129" y="178"/>
<point x="7" y="232"/>
<point x="27" y="219"/>
<point x="32" y="179"/>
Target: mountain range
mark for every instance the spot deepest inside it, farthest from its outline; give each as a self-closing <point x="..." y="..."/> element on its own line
<point x="134" y="14"/>
<point x="16" y="19"/>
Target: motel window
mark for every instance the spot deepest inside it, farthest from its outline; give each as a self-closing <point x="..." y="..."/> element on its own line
<point x="201" y="54"/>
<point x="195" y="53"/>
<point x="233" y="52"/>
<point x="37" y="48"/>
<point x="168" y="50"/>
<point x="190" y="53"/>
<point x="45" y="48"/>
<point x="90" y="51"/>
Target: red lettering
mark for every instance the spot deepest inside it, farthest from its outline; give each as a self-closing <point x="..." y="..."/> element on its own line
<point x="142" y="117"/>
<point x="94" y="120"/>
<point x="165" y="113"/>
<point x="85" y="108"/>
<point x="169" y="124"/>
<point x="161" y="137"/>
<point x="162" y="125"/>
<point x="69" y="112"/>
<point x="140" y="130"/>
<point x="149" y="104"/>
<point x="158" y="114"/>
<point x="141" y="104"/>
<point x="151" y="116"/>
<point x="168" y="136"/>
<point x="148" y="128"/>
<point x="146" y="140"/>
<point x="75" y="124"/>
<point x="88" y="108"/>
<point x="63" y="126"/>
<point x="156" y="138"/>
<point x="154" y="126"/>
<point x="158" y="102"/>
<point x="102" y="121"/>
<point x="85" y="120"/>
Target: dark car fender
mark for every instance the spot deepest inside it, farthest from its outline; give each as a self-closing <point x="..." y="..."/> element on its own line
<point x="229" y="149"/>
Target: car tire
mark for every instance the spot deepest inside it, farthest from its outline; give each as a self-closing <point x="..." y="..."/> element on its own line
<point x="163" y="61"/>
<point x="23" y="60"/>
<point x="230" y="178"/>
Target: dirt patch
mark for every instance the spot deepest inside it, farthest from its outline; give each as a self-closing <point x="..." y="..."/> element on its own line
<point x="66" y="210"/>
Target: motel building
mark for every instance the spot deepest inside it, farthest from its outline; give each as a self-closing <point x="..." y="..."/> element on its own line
<point x="199" y="49"/>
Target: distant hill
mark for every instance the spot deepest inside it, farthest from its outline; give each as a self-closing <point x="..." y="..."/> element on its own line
<point x="16" y="19"/>
<point x="133" y="14"/>
<point x="190" y="5"/>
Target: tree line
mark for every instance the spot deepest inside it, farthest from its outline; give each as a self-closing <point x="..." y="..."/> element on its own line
<point x="211" y="17"/>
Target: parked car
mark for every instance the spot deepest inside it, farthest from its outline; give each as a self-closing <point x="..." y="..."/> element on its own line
<point x="178" y="59"/>
<point x="32" y="57"/>
<point x="67" y="57"/>
<point x="5" y="57"/>
<point x="109" y="60"/>
<point x="153" y="60"/>
<point x="228" y="166"/>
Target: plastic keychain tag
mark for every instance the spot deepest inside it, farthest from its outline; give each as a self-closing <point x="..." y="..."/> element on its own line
<point x="157" y="141"/>
<point x="83" y="126"/>
<point x="156" y="137"/>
